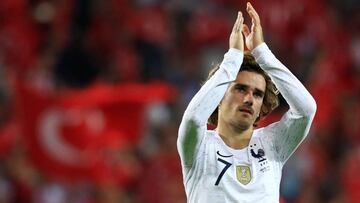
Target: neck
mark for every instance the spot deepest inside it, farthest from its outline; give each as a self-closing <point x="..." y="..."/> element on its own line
<point x="234" y="136"/>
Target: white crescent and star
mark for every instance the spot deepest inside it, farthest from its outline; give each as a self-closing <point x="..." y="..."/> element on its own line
<point x="51" y="139"/>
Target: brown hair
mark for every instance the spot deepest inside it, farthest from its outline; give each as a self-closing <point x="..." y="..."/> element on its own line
<point x="271" y="100"/>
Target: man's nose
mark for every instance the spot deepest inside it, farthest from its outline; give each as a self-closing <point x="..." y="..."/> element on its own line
<point x="249" y="99"/>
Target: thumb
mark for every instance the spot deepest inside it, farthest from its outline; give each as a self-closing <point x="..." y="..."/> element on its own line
<point x="246" y="30"/>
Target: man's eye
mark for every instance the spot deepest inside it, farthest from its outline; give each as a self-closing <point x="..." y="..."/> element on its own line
<point x="258" y="94"/>
<point x="241" y="89"/>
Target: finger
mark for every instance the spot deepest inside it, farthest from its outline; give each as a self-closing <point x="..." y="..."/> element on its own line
<point x="238" y="22"/>
<point x="246" y="30"/>
<point x="249" y="7"/>
<point x="253" y="14"/>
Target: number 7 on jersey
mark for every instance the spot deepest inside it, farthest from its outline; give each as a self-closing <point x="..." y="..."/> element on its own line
<point x="227" y="165"/>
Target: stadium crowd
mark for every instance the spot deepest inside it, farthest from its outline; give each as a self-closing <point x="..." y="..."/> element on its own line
<point x="122" y="72"/>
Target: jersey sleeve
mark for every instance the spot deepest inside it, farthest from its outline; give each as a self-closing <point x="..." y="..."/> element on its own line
<point x="293" y="127"/>
<point x="194" y="122"/>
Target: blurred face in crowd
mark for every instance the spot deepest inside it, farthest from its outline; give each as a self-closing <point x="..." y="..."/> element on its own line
<point x="242" y="102"/>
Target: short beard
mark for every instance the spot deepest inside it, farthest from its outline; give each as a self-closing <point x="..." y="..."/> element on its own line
<point x="241" y="126"/>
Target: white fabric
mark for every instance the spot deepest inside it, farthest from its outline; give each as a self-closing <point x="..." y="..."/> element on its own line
<point x="204" y="155"/>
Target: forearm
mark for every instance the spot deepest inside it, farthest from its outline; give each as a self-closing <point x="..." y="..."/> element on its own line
<point x="209" y="96"/>
<point x="291" y="130"/>
<point x="194" y="122"/>
<point x="298" y="98"/>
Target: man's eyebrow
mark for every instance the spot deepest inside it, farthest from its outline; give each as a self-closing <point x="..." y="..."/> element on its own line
<point x="241" y="85"/>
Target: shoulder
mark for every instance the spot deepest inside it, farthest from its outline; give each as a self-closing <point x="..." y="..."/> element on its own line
<point x="266" y="135"/>
<point x="211" y="135"/>
<point x="211" y="138"/>
<point x="264" y="131"/>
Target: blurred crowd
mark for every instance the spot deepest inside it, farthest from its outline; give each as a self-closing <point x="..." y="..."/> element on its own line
<point x="137" y="63"/>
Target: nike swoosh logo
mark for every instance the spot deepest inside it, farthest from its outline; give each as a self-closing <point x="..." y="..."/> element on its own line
<point x="225" y="156"/>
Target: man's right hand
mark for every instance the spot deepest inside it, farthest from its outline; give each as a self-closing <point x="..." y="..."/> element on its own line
<point x="253" y="36"/>
<point x="236" y="38"/>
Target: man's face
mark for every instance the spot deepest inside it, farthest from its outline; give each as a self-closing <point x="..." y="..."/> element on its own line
<point x="242" y="102"/>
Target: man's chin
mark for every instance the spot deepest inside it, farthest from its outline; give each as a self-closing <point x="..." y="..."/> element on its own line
<point x="244" y="125"/>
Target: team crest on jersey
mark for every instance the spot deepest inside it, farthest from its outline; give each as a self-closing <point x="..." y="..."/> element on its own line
<point x="243" y="174"/>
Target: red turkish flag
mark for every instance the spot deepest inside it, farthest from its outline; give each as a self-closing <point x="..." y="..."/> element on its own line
<point x="65" y="132"/>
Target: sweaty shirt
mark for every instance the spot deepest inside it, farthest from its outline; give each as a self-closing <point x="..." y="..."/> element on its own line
<point x="214" y="172"/>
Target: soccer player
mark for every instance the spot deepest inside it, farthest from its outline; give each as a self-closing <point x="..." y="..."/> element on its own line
<point x="237" y="162"/>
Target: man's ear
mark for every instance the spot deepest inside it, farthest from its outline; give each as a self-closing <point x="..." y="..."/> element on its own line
<point x="220" y="103"/>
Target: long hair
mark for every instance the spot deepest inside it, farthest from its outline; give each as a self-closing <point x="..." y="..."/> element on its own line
<point x="271" y="100"/>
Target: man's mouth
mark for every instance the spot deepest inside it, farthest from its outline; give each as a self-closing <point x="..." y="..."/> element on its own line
<point x="246" y="110"/>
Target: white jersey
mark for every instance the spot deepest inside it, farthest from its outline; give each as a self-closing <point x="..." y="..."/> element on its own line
<point x="215" y="173"/>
